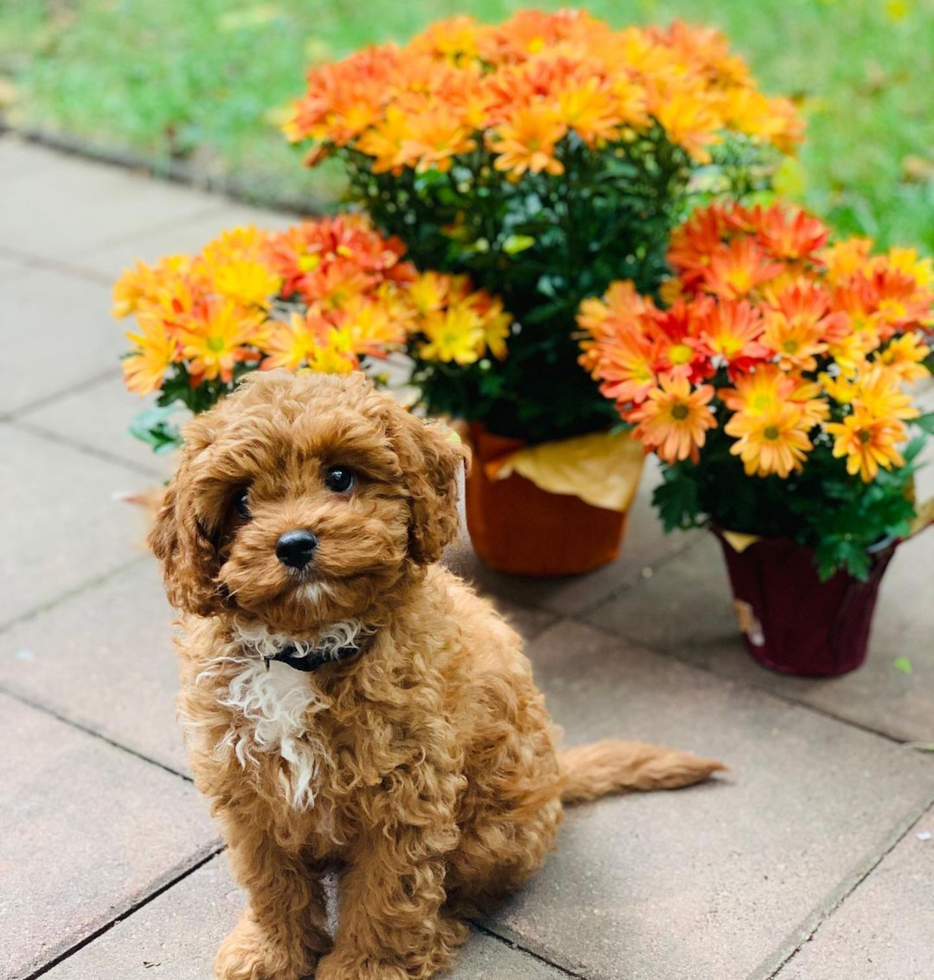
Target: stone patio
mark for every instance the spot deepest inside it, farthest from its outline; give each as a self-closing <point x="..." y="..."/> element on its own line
<point x="811" y="860"/>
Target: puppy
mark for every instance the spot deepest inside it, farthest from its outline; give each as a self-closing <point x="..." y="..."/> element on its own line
<point x="349" y="703"/>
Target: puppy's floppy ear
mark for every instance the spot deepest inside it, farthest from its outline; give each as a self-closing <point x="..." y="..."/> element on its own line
<point x="189" y="557"/>
<point x="431" y="459"/>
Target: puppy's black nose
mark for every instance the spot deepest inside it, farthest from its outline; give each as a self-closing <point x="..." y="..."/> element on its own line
<point x="295" y="548"/>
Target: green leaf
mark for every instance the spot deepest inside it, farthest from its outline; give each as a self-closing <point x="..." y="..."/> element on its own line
<point x="677" y="501"/>
<point x="153" y="427"/>
<point x="902" y="665"/>
<point x="912" y="450"/>
<point x="514" y="244"/>
<point x="925" y="422"/>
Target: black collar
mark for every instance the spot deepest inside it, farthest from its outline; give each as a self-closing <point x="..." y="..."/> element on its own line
<point x="312" y="661"/>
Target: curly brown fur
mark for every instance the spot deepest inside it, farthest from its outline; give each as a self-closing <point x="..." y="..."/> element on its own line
<point x="425" y="767"/>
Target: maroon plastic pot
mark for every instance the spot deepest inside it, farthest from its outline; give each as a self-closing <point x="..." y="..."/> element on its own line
<point x="790" y="620"/>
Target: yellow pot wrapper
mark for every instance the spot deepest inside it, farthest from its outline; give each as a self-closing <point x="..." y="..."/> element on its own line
<point x="601" y="468"/>
<point x="923" y="517"/>
<point x="740" y="542"/>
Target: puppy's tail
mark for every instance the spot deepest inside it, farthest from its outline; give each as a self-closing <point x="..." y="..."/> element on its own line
<point x="592" y="771"/>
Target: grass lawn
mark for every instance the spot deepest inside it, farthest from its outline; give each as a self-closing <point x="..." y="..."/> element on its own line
<point x="209" y="82"/>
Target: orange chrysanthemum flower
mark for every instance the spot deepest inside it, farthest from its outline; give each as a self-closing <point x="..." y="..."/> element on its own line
<point x="424" y="104"/>
<point x="790" y="235"/>
<point x="813" y="339"/>
<point x="434" y="137"/>
<point x="626" y="368"/>
<point x="799" y="324"/>
<point x="730" y="332"/>
<point x="620" y="309"/>
<point x="737" y="269"/>
<point x="907" y="261"/>
<point x="673" y="420"/>
<point x="678" y="343"/>
<point x="693" y="243"/>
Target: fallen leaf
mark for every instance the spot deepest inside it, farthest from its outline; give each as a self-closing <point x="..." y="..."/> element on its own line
<point x="317" y="50"/>
<point x="8" y="92"/>
<point x="876" y="77"/>
<point x="917" y="170"/>
<point x="258" y="16"/>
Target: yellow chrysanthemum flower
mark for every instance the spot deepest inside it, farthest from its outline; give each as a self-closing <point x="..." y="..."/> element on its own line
<point x="212" y="339"/>
<point x="841" y="389"/>
<point x="335" y="355"/>
<point x="429" y="292"/>
<point x="132" y="288"/>
<point x="775" y="442"/>
<point x="454" y="335"/>
<point x="688" y="118"/>
<point x="143" y="284"/>
<point x="383" y="142"/>
<point x="590" y="108"/>
<point x="247" y="283"/>
<point x="496" y="330"/>
<point x="244" y="243"/>
<point x="879" y="392"/>
<point x="905" y="356"/>
<point x="374" y="326"/>
<point x="288" y="345"/>
<point x="145" y="367"/>
<point x="867" y="442"/>
<point x="850" y="353"/>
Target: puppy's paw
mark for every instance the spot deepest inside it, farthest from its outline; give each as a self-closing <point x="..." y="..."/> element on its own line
<point x="248" y="954"/>
<point x="337" y="967"/>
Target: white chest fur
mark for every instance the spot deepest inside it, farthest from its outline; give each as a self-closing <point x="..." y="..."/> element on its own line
<point x="274" y="708"/>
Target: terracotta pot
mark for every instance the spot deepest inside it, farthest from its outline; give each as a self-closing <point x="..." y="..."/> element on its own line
<point x="790" y="620"/>
<point x="518" y="528"/>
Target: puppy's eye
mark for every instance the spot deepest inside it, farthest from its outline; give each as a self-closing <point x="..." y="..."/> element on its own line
<point x="339" y="479"/>
<point x="241" y="505"/>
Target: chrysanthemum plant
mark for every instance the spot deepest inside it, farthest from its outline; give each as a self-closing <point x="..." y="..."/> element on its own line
<point x="331" y="295"/>
<point x="772" y="384"/>
<point x="545" y="158"/>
